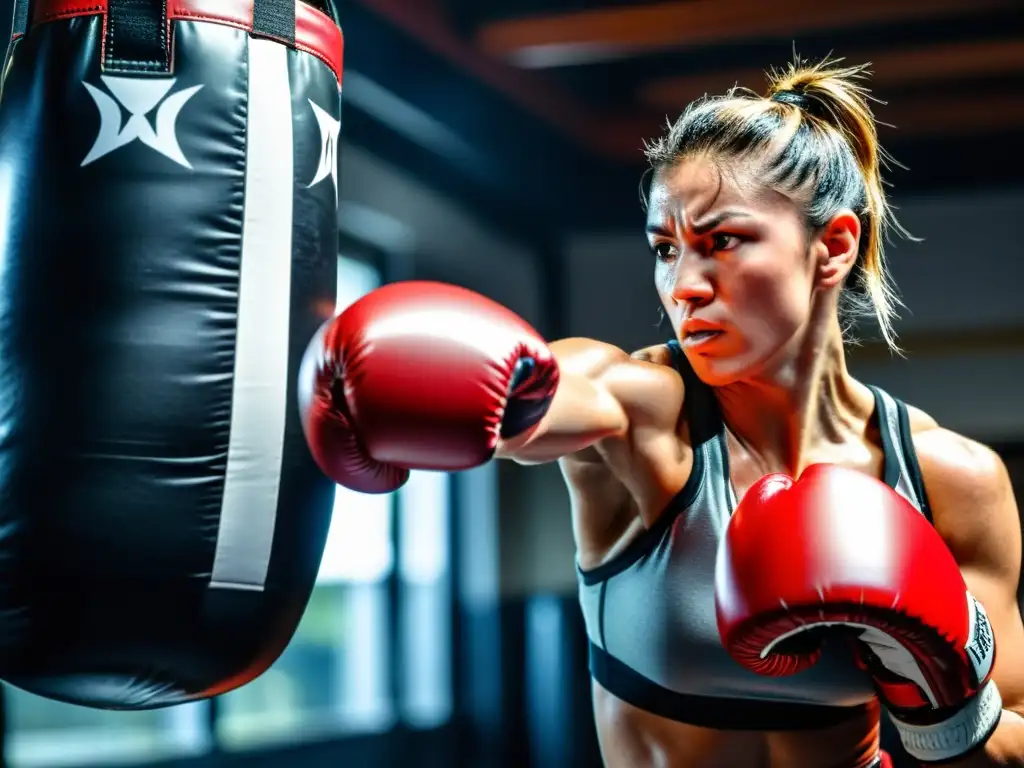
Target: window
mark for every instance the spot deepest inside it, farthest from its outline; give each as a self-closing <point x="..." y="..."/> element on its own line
<point x="338" y="673"/>
<point x="333" y="676"/>
<point x="42" y="733"/>
<point x="424" y="599"/>
<point x="355" y="280"/>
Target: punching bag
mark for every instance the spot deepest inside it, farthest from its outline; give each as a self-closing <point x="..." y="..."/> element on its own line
<point x="168" y="183"/>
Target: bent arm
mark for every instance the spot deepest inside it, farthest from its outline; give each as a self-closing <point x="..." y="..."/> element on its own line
<point x="975" y="512"/>
<point x="602" y="394"/>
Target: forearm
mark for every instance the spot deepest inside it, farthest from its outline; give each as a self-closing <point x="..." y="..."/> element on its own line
<point x="1004" y="748"/>
<point x="582" y="413"/>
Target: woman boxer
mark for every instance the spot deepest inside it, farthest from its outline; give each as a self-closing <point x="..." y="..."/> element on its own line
<point x="766" y="219"/>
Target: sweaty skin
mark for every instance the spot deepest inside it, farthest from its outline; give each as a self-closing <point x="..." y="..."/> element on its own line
<point x="618" y="487"/>
<point x="732" y="256"/>
<point x="620" y="484"/>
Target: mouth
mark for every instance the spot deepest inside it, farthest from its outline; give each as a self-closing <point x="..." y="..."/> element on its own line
<point x="699" y="338"/>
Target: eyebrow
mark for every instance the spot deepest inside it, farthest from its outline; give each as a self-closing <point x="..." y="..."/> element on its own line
<point x="657" y="229"/>
<point x="703" y="226"/>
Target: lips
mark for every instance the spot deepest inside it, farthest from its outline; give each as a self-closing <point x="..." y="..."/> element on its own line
<point x="697" y="331"/>
<point x="699" y="338"/>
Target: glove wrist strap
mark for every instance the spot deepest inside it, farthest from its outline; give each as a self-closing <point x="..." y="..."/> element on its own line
<point x="969" y="728"/>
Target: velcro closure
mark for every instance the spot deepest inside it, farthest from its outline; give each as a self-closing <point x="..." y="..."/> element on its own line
<point x="967" y="729"/>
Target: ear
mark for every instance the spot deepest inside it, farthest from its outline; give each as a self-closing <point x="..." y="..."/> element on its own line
<point x="836" y="248"/>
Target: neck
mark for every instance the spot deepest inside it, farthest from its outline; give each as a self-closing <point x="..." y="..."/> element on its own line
<point x="799" y="404"/>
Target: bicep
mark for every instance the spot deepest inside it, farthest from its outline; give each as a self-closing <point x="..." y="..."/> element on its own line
<point x="976" y="514"/>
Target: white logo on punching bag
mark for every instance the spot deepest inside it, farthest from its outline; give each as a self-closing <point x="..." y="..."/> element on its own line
<point x="329" y="130"/>
<point x="139" y="96"/>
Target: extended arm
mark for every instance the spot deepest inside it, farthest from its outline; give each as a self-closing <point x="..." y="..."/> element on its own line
<point x="421" y="375"/>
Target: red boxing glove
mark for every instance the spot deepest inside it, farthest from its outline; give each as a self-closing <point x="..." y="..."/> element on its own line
<point x="840" y="549"/>
<point x="419" y="375"/>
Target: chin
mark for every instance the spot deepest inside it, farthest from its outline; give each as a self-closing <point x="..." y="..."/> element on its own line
<point x="724" y="370"/>
<point x="717" y="371"/>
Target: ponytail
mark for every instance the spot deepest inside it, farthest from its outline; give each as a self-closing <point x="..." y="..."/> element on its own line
<point x="838" y="98"/>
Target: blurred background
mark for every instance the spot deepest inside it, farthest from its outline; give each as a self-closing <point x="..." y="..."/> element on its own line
<point x="497" y="144"/>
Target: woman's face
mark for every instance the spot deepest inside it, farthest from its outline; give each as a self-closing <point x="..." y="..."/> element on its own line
<point x="733" y="267"/>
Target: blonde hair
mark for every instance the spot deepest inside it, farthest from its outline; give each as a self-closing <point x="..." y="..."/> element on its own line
<point x="817" y="132"/>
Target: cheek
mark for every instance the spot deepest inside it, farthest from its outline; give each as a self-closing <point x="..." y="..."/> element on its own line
<point x="770" y="301"/>
<point x="664" y="281"/>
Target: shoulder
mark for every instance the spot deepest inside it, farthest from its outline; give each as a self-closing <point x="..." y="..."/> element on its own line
<point x="586" y="356"/>
<point x="582" y="355"/>
<point x="969" y="491"/>
<point x="955" y="466"/>
<point x="633" y="377"/>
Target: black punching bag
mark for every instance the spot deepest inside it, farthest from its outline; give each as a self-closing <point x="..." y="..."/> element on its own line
<point x="168" y="184"/>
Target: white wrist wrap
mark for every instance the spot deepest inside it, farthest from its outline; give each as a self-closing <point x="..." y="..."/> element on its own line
<point x="958" y="735"/>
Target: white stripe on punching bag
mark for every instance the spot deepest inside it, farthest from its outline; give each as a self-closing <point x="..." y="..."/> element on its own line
<point x="259" y="403"/>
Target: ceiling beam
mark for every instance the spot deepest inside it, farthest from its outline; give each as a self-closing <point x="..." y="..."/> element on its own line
<point x="912" y="118"/>
<point x="606" y="34"/>
<point x="960" y="115"/>
<point x="908" y="118"/>
<point x="425" y="22"/>
<point x="892" y="69"/>
<point x="615" y="137"/>
<point x="424" y="114"/>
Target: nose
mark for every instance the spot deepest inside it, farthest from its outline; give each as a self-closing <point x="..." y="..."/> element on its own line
<point x="693" y="284"/>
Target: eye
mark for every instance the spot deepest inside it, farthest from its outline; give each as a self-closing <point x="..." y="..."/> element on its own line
<point x="723" y="241"/>
<point x="664" y="251"/>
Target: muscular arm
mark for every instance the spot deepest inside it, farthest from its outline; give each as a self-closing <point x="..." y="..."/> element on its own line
<point x="976" y="514"/>
<point x="603" y="394"/>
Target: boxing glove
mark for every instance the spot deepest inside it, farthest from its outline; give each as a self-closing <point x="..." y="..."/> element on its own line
<point x="840" y="552"/>
<point x="419" y="375"/>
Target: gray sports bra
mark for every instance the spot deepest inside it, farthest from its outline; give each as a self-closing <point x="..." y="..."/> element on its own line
<point x="650" y="613"/>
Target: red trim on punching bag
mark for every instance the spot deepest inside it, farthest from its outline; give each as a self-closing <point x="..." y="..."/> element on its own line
<point x="315" y="32"/>
<point x="44" y="11"/>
